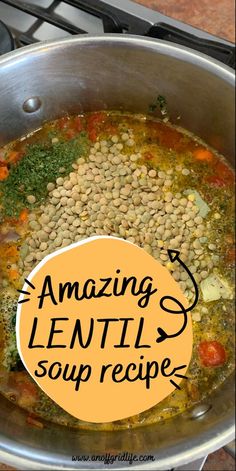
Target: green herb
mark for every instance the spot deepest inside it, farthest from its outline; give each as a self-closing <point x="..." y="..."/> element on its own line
<point x="39" y="166"/>
<point x="160" y="102"/>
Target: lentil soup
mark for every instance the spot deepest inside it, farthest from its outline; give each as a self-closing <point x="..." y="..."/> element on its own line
<point x="132" y="177"/>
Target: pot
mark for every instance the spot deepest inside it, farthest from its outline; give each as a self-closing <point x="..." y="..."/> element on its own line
<point x="47" y="80"/>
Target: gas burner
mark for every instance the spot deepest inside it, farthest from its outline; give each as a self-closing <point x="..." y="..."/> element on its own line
<point x="6" y="39"/>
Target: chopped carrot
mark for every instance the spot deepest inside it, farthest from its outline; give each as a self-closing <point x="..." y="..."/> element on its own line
<point x="4" y="173"/>
<point x="13" y="274"/>
<point x="24" y="215"/>
<point x="203" y="154"/>
<point x="11" y="251"/>
<point x="32" y="421"/>
<point x="13" y="156"/>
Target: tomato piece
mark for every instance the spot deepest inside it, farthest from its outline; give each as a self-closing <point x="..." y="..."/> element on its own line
<point x="4" y="172"/>
<point x="94" y="124"/>
<point x="63" y="123"/>
<point x="14" y="156"/>
<point x="96" y="118"/>
<point x="216" y="181"/>
<point x="78" y="126"/>
<point x="223" y="176"/>
<point x="70" y="133"/>
<point x="211" y="353"/>
<point x="92" y="135"/>
<point x="224" y="172"/>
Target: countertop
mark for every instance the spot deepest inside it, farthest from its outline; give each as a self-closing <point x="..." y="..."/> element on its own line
<point x="216" y="17"/>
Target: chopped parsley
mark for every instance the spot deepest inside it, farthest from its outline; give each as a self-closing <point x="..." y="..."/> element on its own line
<point x="40" y="165"/>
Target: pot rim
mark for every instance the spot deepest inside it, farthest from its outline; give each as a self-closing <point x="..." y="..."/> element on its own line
<point x="14" y="455"/>
<point x="163" y="47"/>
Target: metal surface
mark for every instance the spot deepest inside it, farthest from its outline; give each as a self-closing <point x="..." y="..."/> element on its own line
<point x="6" y="39"/>
<point x="118" y="72"/>
<point x="51" y="19"/>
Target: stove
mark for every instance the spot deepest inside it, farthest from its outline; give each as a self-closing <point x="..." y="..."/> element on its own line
<point x="36" y="20"/>
<point x="26" y="22"/>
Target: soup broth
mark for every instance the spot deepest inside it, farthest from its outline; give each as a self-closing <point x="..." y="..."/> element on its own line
<point x="132" y="177"/>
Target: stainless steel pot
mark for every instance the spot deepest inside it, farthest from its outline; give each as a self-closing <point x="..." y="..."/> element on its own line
<point x="117" y="72"/>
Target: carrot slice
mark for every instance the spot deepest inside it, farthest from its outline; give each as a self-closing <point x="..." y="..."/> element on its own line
<point x="23" y="215"/>
<point x="13" y="275"/>
<point x="211" y="353"/>
<point x="4" y="172"/>
<point x="203" y="154"/>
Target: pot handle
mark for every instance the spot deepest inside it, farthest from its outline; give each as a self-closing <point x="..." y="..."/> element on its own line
<point x="223" y="52"/>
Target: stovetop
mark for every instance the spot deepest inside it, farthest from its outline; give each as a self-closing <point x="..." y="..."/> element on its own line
<point x="36" y="20"/>
<point x="26" y="22"/>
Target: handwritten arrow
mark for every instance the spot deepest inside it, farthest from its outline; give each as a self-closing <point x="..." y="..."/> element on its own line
<point x="173" y="256"/>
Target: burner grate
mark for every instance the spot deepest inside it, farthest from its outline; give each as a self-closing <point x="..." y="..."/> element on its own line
<point x="6" y="39"/>
<point x="36" y="20"/>
<point x="49" y="15"/>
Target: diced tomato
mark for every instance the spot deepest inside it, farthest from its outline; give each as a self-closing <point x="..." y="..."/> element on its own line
<point x="70" y="133"/>
<point x="223" y="176"/>
<point x="94" y="123"/>
<point x="212" y="353"/>
<point x="171" y="138"/>
<point x="96" y="118"/>
<point x="224" y="172"/>
<point x="63" y="123"/>
<point x="92" y="135"/>
<point x="216" y="181"/>
<point x="4" y="172"/>
<point x="78" y="126"/>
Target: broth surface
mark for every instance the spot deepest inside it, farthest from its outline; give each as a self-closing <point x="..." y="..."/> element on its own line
<point x="127" y="176"/>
